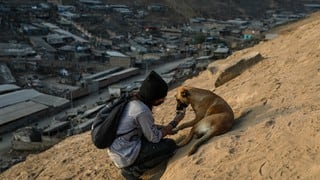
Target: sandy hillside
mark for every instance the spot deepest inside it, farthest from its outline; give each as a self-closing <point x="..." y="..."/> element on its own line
<point x="276" y="137"/>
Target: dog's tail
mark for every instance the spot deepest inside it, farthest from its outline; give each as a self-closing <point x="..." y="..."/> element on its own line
<point x="202" y="140"/>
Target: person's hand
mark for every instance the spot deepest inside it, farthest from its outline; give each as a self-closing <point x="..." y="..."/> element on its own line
<point x="179" y="116"/>
<point x="159" y="126"/>
<point x="171" y="127"/>
<point x="173" y="131"/>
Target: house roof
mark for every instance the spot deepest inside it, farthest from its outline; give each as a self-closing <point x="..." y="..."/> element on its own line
<point x="222" y="50"/>
<point x="116" y="54"/>
<point x="50" y="100"/>
<point x="19" y="110"/>
<point x="10" y="49"/>
<point x="67" y="33"/>
<point x="17" y="96"/>
<point x="39" y="42"/>
<point x="8" y="87"/>
<point x="96" y="2"/>
<point x="25" y="103"/>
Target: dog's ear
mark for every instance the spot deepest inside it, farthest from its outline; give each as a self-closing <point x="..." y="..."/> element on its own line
<point x="185" y="93"/>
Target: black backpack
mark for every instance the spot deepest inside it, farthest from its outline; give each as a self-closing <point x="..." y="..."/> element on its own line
<point x="105" y="125"/>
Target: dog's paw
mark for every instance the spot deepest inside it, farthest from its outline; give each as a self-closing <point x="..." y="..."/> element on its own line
<point x="191" y="152"/>
<point x="174" y="131"/>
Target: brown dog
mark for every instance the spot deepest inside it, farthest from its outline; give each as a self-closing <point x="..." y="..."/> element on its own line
<point x="213" y="115"/>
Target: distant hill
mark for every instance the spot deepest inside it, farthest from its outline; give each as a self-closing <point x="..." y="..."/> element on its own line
<point x="230" y="9"/>
<point x="222" y="9"/>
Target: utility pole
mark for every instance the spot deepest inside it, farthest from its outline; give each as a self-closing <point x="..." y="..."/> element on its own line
<point x="71" y="99"/>
<point x="147" y="63"/>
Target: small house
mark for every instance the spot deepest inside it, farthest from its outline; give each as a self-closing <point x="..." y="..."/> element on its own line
<point x="119" y="59"/>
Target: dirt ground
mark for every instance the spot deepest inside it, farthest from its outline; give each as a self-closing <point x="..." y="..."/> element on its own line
<point x="276" y="134"/>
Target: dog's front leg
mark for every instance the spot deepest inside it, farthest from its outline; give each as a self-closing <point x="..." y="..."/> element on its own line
<point x="185" y="125"/>
<point x="188" y="138"/>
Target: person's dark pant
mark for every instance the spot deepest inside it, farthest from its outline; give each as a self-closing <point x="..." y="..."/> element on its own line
<point x="150" y="155"/>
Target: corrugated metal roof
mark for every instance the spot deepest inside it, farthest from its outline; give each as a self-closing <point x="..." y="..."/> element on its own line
<point x="222" y="50"/>
<point x="42" y="43"/>
<point x="125" y="71"/>
<point x="10" y="49"/>
<point x="17" y="97"/>
<point x="19" y="110"/>
<point x="64" y="32"/>
<point x="103" y="73"/>
<point x="116" y="54"/>
<point x="8" y="87"/>
<point x="49" y="100"/>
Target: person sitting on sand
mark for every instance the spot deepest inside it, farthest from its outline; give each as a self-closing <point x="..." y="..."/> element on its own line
<point x="142" y="145"/>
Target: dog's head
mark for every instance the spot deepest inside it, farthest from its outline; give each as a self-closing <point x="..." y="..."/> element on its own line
<point x="182" y="98"/>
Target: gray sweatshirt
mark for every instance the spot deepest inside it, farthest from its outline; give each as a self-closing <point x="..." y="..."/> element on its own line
<point x="137" y="119"/>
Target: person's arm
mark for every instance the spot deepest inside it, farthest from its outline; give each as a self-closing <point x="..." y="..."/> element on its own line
<point x="151" y="131"/>
<point x="165" y="130"/>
